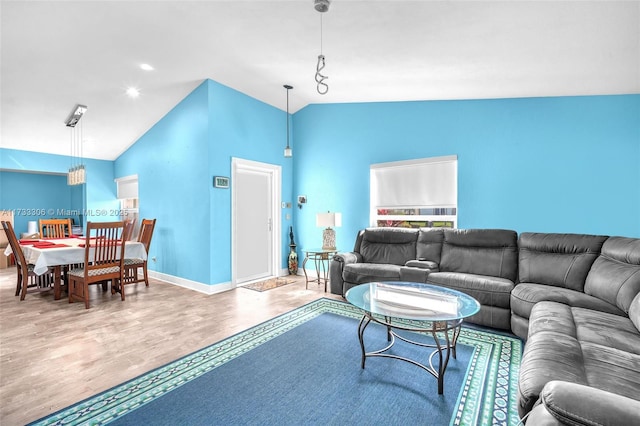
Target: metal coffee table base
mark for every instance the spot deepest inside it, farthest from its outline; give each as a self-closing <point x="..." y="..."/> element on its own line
<point x="448" y="330"/>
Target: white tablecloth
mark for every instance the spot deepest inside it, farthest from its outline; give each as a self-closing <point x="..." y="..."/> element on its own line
<point x="42" y="259"/>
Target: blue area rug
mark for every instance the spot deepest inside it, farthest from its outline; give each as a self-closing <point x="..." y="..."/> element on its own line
<point x="303" y="367"/>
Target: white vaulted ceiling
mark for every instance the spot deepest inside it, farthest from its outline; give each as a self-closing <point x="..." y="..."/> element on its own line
<point x="59" y="53"/>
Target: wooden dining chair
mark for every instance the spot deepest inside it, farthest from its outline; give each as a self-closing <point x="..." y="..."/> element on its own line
<point x="132" y="266"/>
<point x="129" y="224"/>
<point x="55" y="228"/>
<point x="27" y="281"/>
<point x="103" y="259"/>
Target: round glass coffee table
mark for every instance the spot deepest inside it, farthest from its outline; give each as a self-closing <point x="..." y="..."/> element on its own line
<point x="414" y="307"/>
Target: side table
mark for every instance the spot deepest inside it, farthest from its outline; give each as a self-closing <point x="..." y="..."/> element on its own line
<point x="321" y="258"/>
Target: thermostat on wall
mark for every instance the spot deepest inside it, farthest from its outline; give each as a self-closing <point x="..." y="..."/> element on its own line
<point x="220" y="182"/>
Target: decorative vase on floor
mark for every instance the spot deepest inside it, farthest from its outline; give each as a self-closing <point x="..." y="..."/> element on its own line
<point x="293" y="260"/>
<point x="293" y="256"/>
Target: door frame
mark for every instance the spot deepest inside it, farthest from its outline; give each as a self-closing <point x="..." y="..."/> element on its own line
<point x="276" y="244"/>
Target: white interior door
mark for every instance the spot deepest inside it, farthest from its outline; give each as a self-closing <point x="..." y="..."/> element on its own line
<point x="255" y="220"/>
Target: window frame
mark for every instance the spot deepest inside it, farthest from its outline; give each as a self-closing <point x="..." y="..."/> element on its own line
<point x="450" y="211"/>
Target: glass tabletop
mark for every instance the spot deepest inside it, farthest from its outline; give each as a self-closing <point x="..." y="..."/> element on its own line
<point x="414" y="301"/>
<point x="320" y="250"/>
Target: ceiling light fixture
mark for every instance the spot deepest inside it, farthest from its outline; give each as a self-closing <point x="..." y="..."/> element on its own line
<point x="146" y="67"/>
<point x="77" y="174"/>
<point x="132" y="92"/>
<point x="321" y="6"/>
<point x="76" y="114"/>
<point x="287" y="151"/>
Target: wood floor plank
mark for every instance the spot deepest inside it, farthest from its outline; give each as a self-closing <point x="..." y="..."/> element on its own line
<point x="54" y="354"/>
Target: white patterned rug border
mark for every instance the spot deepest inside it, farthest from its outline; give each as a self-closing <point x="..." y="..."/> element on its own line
<point x="485" y="399"/>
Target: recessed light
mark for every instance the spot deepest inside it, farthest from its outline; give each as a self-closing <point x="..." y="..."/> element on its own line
<point x="146" y="67"/>
<point x="133" y="92"/>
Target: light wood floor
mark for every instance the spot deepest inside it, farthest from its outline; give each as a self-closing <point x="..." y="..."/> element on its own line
<point x="53" y="354"/>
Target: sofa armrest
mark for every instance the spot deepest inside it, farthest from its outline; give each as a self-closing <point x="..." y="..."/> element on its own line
<point x="565" y="403"/>
<point x="348" y="257"/>
<point x="418" y="270"/>
<point x="336" y="267"/>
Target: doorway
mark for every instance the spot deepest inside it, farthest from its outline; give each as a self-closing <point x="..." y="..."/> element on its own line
<point x="255" y="219"/>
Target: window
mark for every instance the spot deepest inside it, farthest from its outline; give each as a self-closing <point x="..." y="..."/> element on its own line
<point x="415" y="193"/>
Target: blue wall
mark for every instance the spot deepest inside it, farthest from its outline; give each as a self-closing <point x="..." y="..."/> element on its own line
<point x="100" y="189"/>
<point x="171" y="163"/>
<point x="34" y="196"/>
<point x="175" y="162"/>
<point x="242" y="127"/>
<point x="566" y="164"/>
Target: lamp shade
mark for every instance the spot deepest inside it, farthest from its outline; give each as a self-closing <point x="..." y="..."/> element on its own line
<point x="329" y="219"/>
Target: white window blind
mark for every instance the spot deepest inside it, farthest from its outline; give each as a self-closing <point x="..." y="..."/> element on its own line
<point x="428" y="182"/>
<point x="127" y="187"/>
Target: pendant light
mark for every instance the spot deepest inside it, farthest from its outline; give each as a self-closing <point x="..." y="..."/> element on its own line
<point x="288" y="152"/>
<point x="77" y="173"/>
<point x="321" y="6"/>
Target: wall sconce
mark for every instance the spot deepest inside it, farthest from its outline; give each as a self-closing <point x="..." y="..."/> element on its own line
<point x="329" y="220"/>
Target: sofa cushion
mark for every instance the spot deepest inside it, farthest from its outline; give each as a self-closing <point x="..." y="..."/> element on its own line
<point x="612" y="369"/>
<point x="587" y="326"/>
<point x="580" y="346"/>
<point x="492" y="291"/>
<point x="561" y="260"/>
<point x="525" y="295"/>
<point x="492" y="252"/>
<point x="429" y="245"/>
<point x="359" y="273"/>
<point x="615" y="274"/>
<point x="388" y="245"/>
<point x="548" y="356"/>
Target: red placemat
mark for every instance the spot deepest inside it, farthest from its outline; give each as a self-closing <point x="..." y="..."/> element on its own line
<point x="46" y="246"/>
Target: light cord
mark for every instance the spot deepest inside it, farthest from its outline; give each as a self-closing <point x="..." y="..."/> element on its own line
<point x="287" y="117"/>
<point x="321" y="35"/>
<point x="322" y="87"/>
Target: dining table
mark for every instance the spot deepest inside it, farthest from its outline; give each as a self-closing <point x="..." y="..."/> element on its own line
<point x="55" y="253"/>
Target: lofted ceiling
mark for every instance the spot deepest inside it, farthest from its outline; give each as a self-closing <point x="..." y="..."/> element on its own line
<point x="59" y="53"/>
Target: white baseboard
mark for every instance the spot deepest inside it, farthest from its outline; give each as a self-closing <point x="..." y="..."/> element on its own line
<point x="192" y="285"/>
<point x="214" y="288"/>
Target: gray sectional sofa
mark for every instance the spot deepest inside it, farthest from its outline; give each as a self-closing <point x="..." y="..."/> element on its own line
<point x="574" y="299"/>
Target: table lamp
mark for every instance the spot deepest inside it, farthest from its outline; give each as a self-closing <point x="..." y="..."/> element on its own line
<point x="329" y="220"/>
